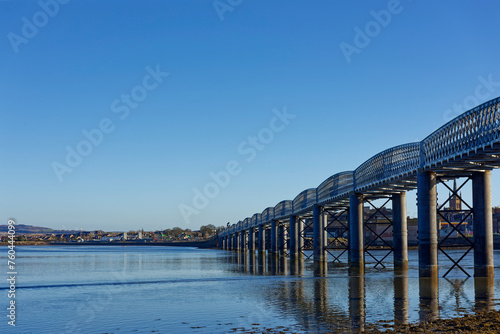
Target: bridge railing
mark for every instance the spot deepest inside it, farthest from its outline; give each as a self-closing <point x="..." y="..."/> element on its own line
<point x="283" y="209"/>
<point x="304" y="200"/>
<point x="475" y="129"/>
<point x="389" y="164"/>
<point x="336" y="185"/>
<point x="267" y="215"/>
<point x="247" y="223"/>
<point x="256" y="219"/>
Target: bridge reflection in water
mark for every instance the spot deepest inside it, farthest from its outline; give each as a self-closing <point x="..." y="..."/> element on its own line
<point x="322" y="297"/>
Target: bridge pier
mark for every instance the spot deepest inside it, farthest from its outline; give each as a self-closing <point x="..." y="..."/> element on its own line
<point x="483" y="224"/>
<point x="300" y="238"/>
<point x="427" y="224"/>
<point x="319" y="234"/>
<point x="243" y="241"/>
<point x="400" y="231"/>
<point x="238" y="241"/>
<point x="356" y="231"/>
<point x="274" y="237"/>
<point x="262" y="239"/>
<point x="251" y="240"/>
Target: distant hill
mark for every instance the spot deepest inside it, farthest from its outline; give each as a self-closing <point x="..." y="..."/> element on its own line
<point x="29" y="229"/>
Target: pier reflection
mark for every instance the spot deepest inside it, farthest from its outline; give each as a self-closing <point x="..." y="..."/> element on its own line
<point x="429" y="298"/>
<point x="357" y="299"/>
<point x="401" y="299"/>
<point x="322" y="297"/>
<point x="484" y="293"/>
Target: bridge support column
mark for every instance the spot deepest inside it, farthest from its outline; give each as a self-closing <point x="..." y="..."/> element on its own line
<point x="318" y="233"/>
<point x="400" y="231"/>
<point x="274" y="237"/>
<point x="251" y="240"/>
<point x="356" y="231"/>
<point x="483" y="224"/>
<point x="237" y="238"/>
<point x="243" y="241"/>
<point x="427" y="224"/>
<point x="262" y="239"/>
<point x="293" y="237"/>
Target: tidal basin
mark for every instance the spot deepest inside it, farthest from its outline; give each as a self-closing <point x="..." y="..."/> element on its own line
<point x="129" y="289"/>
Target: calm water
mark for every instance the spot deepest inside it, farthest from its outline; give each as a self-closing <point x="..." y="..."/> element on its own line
<point x="139" y="289"/>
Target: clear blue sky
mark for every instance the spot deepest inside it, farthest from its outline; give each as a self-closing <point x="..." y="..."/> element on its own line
<point x="228" y="68"/>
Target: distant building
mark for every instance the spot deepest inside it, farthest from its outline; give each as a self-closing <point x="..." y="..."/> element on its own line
<point x="455" y="201"/>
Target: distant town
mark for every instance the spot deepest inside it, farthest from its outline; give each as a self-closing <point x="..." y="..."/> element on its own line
<point x="27" y="234"/>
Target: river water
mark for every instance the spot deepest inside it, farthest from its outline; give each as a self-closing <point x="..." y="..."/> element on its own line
<point x="146" y="289"/>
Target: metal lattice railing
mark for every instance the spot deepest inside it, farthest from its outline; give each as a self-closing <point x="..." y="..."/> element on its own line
<point x="267" y="215"/>
<point x="475" y="129"/>
<point x="247" y="223"/>
<point x="304" y="200"/>
<point x="336" y="185"/>
<point x="389" y="164"/>
<point x="256" y="219"/>
<point x="283" y="209"/>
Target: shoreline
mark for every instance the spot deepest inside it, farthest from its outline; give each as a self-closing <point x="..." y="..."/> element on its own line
<point x="198" y="244"/>
<point x="483" y="321"/>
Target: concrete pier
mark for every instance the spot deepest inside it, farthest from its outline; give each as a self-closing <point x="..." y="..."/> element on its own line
<point x="237" y="241"/>
<point x="356" y="231"/>
<point x="319" y="234"/>
<point x="483" y="224"/>
<point x="274" y="237"/>
<point x="400" y="230"/>
<point x="243" y="241"/>
<point x="251" y="240"/>
<point x="427" y="224"/>
<point x="300" y="238"/>
<point x="262" y="239"/>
